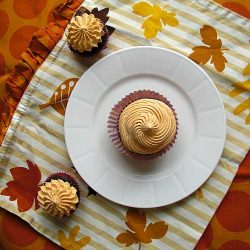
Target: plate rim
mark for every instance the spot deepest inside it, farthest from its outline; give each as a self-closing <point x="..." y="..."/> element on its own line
<point x="223" y="139"/>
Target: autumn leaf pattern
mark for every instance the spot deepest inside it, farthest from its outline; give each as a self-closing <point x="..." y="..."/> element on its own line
<point x="71" y="243"/>
<point x="199" y="194"/>
<point x="59" y="99"/>
<point x="24" y="186"/>
<point x="213" y="50"/>
<point x="140" y="233"/>
<point x="155" y="18"/>
<point x="239" y="88"/>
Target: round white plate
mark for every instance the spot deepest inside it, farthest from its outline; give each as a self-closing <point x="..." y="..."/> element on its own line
<point x="200" y="140"/>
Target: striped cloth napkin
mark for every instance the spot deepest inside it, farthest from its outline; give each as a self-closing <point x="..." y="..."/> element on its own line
<point x="34" y="145"/>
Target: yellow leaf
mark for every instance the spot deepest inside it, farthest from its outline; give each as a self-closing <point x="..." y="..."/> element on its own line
<point x="59" y="99"/>
<point x="70" y="243"/>
<point x="246" y="70"/>
<point x="143" y="9"/>
<point x="214" y="50"/>
<point x="242" y="107"/>
<point x="151" y="26"/>
<point x="240" y="88"/>
<point x="156" y="16"/>
<point x="170" y="19"/>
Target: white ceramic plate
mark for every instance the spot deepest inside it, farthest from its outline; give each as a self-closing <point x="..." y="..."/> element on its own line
<point x="199" y="144"/>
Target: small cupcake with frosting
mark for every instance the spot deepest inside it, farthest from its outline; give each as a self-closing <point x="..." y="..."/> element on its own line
<point x="87" y="34"/>
<point x="60" y="195"/>
<point x="143" y="125"/>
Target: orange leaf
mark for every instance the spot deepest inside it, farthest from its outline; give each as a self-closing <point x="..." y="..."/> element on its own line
<point x="202" y="54"/>
<point x="242" y="107"/>
<point x="59" y="99"/>
<point x="126" y="238"/>
<point x="156" y="230"/>
<point x="136" y="221"/>
<point x="24" y="187"/>
<point x="70" y="243"/>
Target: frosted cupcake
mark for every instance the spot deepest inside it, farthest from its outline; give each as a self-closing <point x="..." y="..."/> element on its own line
<point x="143" y="125"/>
<point x="87" y="33"/>
<point x="59" y="195"/>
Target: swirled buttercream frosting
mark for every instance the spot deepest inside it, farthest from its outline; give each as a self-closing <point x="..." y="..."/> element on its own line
<point x="58" y="198"/>
<point x="85" y="32"/>
<point x="146" y="126"/>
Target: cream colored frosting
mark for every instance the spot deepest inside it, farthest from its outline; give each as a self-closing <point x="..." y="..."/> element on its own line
<point x="146" y="126"/>
<point x="58" y="198"/>
<point x="85" y="32"/>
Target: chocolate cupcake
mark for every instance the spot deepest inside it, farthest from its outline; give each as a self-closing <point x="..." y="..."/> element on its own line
<point x="143" y="125"/>
<point x="59" y="195"/>
<point x="87" y="32"/>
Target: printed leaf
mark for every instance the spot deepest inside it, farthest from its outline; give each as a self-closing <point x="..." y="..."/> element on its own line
<point x="155" y="17"/>
<point x="157" y="230"/>
<point x="126" y="238"/>
<point x="239" y="88"/>
<point x="59" y="99"/>
<point x="214" y="50"/>
<point x="24" y="187"/>
<point x="199" y="194"/>
<point x="243" y="107"/>
<point x="246" y="71"/>
<point x="140" y="233"/>
<point x="71" y="243"/>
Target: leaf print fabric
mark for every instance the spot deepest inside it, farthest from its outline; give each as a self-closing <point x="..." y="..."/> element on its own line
<point x="139" y="232"/>
<point x="71" y="243"/>
<point x="240" y="88"/>
<point x="155" y="17"/>
<point x="59" y="99"/>
<point x="214" y="50"/>
<point x="24" y="187"/>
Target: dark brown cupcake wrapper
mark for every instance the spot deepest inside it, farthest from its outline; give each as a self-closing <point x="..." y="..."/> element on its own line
<point x="113" y="123"/>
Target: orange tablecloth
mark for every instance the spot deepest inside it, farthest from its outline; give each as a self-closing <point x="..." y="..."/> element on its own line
<point x="229" y="228"/>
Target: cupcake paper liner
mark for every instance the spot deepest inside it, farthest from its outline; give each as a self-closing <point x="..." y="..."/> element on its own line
<point x="113" y="123"/>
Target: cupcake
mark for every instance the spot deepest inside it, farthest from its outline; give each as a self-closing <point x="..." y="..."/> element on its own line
<point x="87" y="32"/>
<point x="59" y="195"/>
<point x="143" y="125"/>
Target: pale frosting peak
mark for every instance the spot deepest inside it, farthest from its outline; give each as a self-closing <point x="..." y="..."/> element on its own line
<point x="58" y="198"/>
<point x="85" y="32"/>
<point x="147" y="126"/>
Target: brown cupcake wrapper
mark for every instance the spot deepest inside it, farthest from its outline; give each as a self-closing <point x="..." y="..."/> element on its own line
<point x="113" y="123"/>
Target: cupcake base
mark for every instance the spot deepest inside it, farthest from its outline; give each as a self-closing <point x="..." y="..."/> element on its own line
<point x="113" y="123"/>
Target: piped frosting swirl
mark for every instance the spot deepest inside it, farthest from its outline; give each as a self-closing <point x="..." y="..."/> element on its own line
<point x="85" y="32"/>
<point x="58" y="198"/>
<point x="147" y="126"/>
